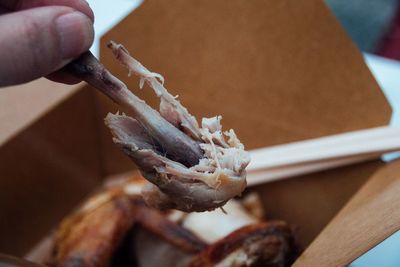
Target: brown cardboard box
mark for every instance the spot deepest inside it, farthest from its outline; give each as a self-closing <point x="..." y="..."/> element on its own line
<point x="278" y="71"/>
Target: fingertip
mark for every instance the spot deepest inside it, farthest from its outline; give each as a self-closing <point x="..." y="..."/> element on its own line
<point x="79" y="5"/>
<point x="87" y="10"/>
<point x="38" y="41"/>
<point x="76" y="34"/>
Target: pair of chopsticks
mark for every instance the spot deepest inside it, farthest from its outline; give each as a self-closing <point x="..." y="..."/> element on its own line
<point x="298" y="158"/>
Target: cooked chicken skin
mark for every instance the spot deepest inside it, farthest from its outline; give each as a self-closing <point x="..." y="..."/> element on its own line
<point x="115" y="228"/>
<point x="190" y="167"/>
<point x="92" y="235"/>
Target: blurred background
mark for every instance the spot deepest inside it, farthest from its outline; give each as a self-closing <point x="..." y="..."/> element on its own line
<point x="373" y="25"/>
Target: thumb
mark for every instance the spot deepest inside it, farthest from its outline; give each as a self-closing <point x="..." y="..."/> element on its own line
<point x="38" y="41"/>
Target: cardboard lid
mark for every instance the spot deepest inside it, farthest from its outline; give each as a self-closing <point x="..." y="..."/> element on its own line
<point x="278" y="71"/>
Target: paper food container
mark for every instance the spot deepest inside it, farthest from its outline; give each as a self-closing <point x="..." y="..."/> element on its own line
<point x="277" y="71"/>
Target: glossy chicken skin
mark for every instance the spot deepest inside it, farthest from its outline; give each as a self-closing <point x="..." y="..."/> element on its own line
<point x="115" y="223"/>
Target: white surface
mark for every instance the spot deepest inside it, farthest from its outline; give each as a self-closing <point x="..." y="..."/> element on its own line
<point x="386" y="72"/>
<point x="107" y="15"/>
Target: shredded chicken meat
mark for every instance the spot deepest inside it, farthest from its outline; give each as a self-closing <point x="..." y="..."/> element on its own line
<point x="190" y="167"/>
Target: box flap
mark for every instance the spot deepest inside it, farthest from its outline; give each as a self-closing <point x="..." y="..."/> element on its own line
<point x="22" y="105"/>
<point x="46" y="170"/>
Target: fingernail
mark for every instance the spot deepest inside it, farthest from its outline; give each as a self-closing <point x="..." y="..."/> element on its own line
<point x="86" y="2"/>
<point x="75" y="34"/>
<point x="89" y="10"/>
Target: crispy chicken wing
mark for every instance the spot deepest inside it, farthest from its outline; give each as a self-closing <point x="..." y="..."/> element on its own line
<point x="93" y="235"/>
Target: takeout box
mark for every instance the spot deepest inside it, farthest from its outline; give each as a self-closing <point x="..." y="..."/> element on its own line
<point x="277" y="71"/>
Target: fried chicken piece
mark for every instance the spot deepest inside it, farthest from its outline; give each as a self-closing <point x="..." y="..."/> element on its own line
<point x="94" y="233"/>
<point x="90" y="236"/>
<point x="264" y="244"/>
<point x="191" y="167"/>
<point x="237" y="238"/>
<point x="90" y="239"/>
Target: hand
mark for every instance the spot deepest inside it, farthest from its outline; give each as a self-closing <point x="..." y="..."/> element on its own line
<point x="39" y="37"/>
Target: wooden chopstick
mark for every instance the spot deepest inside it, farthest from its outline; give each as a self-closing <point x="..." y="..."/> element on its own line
<point x="289" y="160"/>
<point x="284" y="172"/>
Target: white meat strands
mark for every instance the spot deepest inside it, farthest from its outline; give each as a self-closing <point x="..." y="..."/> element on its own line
<point x="217" y="177"/>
